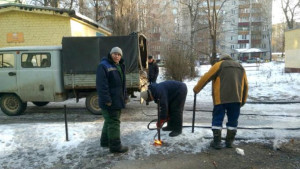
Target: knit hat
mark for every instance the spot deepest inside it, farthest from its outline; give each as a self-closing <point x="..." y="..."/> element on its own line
<point x="116" y="50"/>
<point x="224" y="56"/>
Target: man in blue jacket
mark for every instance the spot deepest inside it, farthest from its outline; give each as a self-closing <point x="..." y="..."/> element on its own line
<point x="111" y="88"/>
<point x="171" y="97"/>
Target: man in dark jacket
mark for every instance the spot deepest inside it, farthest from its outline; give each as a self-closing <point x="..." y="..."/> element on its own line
<point x="111" y="90"/>
<point x="230" y="90"/>
<point x="152" y="70"/>
<point x="171" y="97"/>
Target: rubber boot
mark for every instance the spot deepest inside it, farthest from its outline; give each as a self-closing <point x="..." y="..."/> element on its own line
<point x="216" y="143"/>
<point x="115" y="146"/>
<point x="104" y="137"/>
<point x="168" y="127"/>
<point x="230" y="138"/>
<point x="175" y="133"/>
<point x="104" y="143"/>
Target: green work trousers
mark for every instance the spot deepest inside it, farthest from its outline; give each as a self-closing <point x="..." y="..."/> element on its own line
<point x="111" y="126"/>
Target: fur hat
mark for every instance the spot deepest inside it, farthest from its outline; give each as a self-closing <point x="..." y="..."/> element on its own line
<point x="116" y="50"/>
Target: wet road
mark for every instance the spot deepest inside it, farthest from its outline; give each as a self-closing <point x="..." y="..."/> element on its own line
<point x="252" y="115"/>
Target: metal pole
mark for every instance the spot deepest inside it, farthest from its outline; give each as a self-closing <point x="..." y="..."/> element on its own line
<point x="66" y="122"/>
<point x="194" y="112"/>
<point x="158" y="120"/>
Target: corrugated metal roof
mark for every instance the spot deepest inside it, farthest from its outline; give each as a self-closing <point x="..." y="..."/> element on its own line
<point x="31" y="48"/>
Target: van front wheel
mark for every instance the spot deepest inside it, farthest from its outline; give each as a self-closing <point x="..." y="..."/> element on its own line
<point x="92" y="105"/>
<point x="12" y="105"/>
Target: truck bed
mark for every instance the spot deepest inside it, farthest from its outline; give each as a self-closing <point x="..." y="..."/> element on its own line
<point x="88" y="81"/>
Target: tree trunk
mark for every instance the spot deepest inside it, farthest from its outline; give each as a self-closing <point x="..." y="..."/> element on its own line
<point x="81" y="6"/>
<point x="54" y="3"/>
<point x="113" y="14"/>
<point x="96" y="10"/>
<point x="71" y="4"/>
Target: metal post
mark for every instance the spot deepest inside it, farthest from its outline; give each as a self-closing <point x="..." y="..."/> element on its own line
<point x="158" y="120"/>
<point x="194" y="112"/>
<point x="66" y="122"/>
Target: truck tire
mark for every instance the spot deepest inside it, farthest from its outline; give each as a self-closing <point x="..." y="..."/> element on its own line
<point x="92" y="105"/>
<point x="40" y="104"/>
<point x="12" y="105"/>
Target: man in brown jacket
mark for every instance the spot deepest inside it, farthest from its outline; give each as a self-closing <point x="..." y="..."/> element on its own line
<point x="229" y="92"/>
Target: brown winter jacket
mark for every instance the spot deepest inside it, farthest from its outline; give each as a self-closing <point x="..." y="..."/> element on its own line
<point x="230" y="83"/>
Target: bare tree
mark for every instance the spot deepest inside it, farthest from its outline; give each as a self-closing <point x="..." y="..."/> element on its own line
<point x="52" y="3"/>
<point x="175" y="63"/>
<point x="194" y="9"/>
<point x="213" y="15"/>
<point x="290" y="8"/>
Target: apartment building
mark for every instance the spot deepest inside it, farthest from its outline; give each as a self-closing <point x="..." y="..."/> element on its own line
<point x="248" y="24"/>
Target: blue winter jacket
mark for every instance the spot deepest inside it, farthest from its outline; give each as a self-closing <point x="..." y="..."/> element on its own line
<point x="110" y="87"/>
<point x="168" y="92"/>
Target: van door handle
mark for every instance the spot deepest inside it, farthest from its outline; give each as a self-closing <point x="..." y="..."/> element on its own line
<point x="12" y="73"/>
<point x="41" y="87"/>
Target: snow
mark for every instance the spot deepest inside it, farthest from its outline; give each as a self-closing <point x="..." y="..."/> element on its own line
<point x="43" y="145"/>
<point x="251" y="50"/>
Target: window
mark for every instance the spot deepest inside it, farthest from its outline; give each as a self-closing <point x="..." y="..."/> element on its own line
<point x="36" y="60"/>
<point x="265" y="36"/>
<point x="232" y="46"/>
<point x="7" y="60"/>
<point x="243" y="46"/>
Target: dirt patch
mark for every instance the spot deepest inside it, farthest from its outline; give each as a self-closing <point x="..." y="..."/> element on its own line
<point x="257" y="155"/>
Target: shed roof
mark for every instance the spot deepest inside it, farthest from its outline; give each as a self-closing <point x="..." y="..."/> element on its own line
<point x="31" y="48"/>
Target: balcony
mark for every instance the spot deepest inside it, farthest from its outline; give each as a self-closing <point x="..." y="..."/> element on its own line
<point x="244" y="15"/>
<point x="243" y="33"/>
<point x="243" y="41"/>
<point x="255" y="23"/>
<point x="255" y="41"/>
<point x="244" y="24"/>
<point x="245" y="5"/>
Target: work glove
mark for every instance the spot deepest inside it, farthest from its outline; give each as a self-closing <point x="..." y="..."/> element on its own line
<point x="196" y="92"/>
<point x="161" y="122"/>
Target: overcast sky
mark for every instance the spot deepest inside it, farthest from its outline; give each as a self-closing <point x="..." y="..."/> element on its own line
<point x="277" y="14"/>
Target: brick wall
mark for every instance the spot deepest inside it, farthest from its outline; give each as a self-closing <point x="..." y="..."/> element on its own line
<point x="79" y="28"/>
<point x="38" y="29"/>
